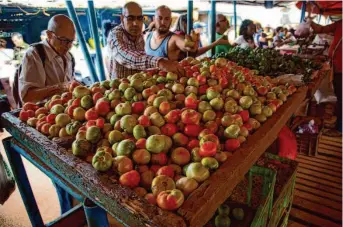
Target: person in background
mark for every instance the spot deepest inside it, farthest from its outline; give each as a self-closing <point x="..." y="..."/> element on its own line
<point x="263" y="41"/>
<point x="126" y="45"/>
<point x="43" y="35"/>
<point x="290" y="35"/>
<point x="108" y="26"/>
<point x="258" y="34"/>
<point x="246" y="33"/>
<point x="335" y="53"/>
<point x="181" y="25"/>
<point x="279" y="36"/>
<point x="222" y="25"/>
<point x="7" y="70"/>
<point x="20" y="47"/>
<point x="198" y="30"/>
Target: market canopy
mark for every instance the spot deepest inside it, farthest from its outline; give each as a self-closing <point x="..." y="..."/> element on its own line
<point x="326" y="8"/>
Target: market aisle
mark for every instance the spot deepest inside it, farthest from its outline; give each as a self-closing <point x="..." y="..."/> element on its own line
<point x="318" y="190"/>
<point x="13" y="213"/>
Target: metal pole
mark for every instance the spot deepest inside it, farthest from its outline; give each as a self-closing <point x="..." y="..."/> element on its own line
<point x="213" y="24"/>
<point x="96" y="38"/>
<point x="235" y="16"/>
<point x="303" y="11"/>
<point x="190" y="16"/>
<point x="81" y="38"/>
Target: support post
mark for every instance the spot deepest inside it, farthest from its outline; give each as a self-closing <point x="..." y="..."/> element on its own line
<point x="303" y="11"/>
<point x="81" y="38"/>
<point x="95" y="33"/>
<point x="190" y="16"/>
<point x="235" y="16"/>
<point x="23" y="184"/>
<point x="213" y="24"/>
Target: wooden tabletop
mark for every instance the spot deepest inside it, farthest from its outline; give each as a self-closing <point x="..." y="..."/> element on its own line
<point x="123" y="204"/>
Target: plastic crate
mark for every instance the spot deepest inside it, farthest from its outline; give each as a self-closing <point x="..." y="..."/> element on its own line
<point x="265" y="209"/>
<point x="254" y="216"/>
<point x="284" y="196"/>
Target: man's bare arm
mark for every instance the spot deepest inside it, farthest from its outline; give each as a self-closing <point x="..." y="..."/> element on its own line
<point x="39" y="94"/>
<point x="318" y="29"/>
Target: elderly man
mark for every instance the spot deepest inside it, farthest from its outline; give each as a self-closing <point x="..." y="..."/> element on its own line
<point x="46" y="70"/>
<point x="42" y="77"/>
<point x="164" y="43"/>
<point x="126" y="45"/>
<point x="222" y="25"/>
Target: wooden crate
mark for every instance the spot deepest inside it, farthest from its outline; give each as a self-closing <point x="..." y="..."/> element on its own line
<point x="127" y="206"/>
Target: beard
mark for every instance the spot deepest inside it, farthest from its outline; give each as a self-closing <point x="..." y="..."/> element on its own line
<point x="163" y="30"/>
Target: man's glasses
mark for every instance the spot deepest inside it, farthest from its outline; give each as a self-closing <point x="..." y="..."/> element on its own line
<point x="134" y="18"/>
<point x="64" y="41"/>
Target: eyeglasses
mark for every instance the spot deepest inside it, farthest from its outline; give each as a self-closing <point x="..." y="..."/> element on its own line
<point x="62" y="40"/>
<point x="133" y="18"/>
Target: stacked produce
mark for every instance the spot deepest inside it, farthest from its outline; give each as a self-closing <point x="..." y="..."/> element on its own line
<point x="161" y="134"/>
<point x="270" y="62"/>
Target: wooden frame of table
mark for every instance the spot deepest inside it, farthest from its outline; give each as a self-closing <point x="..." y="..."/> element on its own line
<point x="128" y="208"/>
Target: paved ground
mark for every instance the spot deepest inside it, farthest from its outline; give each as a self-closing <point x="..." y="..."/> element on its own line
<point x="13" y="212"/>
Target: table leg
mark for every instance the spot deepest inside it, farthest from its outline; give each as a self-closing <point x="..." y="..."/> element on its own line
<point x="23" y="184"/>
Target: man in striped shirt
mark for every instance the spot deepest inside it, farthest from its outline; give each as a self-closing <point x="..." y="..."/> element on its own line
<point x="126" y="44"/>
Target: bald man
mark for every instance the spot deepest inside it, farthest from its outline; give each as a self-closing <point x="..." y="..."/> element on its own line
<point x="39" y="80"/>
<point x="126" y="43"/>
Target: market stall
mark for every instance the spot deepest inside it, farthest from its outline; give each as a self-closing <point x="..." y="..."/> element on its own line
<point x="231" y="111"/>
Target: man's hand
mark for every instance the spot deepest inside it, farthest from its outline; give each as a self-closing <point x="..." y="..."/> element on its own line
<point x="171" y="66"/>
<point x="221" y="41"/>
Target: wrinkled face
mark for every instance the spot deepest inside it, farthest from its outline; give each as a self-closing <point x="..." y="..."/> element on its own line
<point x="221" y="24"/>
<point x="163" y="20"/>
<point x="132" y="20"/>
<point x="251" y="29"/>
<point x="18" y="42"/>
<point x="61" y="40"/>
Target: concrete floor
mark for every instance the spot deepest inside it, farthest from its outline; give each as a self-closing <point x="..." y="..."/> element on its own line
<point x="13" y="213"/>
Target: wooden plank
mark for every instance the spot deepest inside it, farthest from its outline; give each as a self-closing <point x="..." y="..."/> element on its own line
<point x="314" y="220"/>
<point x="334" y="162"/>
<point x="292" y="223"/>
<point x="320" y="175"/>
<point x="329" y="152"/>
<point x="330" y="143"/>
<point x="330" y="159"/>
<point x="319" y="165"/>
<point x="330" y="148"/>
<point x="203" y="202"/>
<point x="321" y="170"/>
<point x="319" y="186"/>
<point x="333" y="139"/>
<point x="327" y="202"/>
<point x="318" y="192"/>
<point x="317" y="208"/>
<point x="320" y="181"/>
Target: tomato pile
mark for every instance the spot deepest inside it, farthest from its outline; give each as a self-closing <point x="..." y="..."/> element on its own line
<point x="161" y="133"/>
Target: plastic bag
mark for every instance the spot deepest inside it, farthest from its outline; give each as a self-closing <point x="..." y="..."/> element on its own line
<point x="7" y="183"/>
<point x="287" y="144"/>
<point x="303" y="29"/>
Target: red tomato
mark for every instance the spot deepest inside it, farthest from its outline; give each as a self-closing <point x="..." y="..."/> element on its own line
<point x="208" y="149"/>
<point x="232" y="145"/>
<point x="192" y="130"/>
<point x="166" y="170"/>
<point x="138" y="107"/>
<point x="130" y="179"/>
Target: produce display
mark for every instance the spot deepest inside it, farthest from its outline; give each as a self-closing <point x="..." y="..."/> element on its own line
<point x="270" y="62"/>
<point x="160" y="134"/>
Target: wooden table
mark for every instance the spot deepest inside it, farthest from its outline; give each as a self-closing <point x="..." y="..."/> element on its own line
<point x="124" y="204"/>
